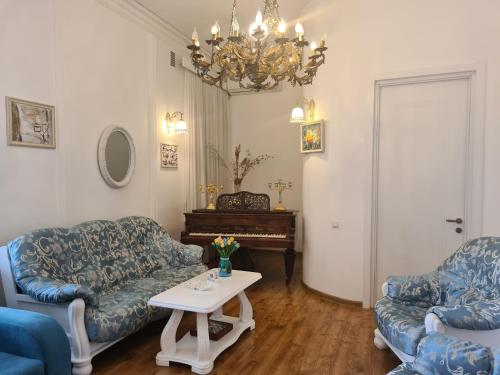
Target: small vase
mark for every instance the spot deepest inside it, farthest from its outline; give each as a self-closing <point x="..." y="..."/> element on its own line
<point x="225" y="267"/>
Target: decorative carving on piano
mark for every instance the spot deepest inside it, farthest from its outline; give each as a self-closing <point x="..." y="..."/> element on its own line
<point x="244" y="200"/>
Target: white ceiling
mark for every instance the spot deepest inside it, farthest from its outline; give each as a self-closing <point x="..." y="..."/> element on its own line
<point x="184" y="15"/>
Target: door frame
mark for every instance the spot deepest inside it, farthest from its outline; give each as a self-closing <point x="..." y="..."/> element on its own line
<point x="475" y="74"/>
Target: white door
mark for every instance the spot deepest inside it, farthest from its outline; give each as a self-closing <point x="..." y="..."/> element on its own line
<point x="422" y="155"/>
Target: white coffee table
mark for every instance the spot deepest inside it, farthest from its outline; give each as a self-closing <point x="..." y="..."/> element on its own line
<point x="199" y="352"/>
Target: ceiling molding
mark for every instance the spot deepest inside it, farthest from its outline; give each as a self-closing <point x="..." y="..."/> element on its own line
<point x="145" y="18"/>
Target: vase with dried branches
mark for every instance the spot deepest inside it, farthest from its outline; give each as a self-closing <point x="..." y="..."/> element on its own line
<point x="239" y="168"/>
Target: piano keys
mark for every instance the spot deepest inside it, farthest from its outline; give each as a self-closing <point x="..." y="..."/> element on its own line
<point x="251" y="228"/>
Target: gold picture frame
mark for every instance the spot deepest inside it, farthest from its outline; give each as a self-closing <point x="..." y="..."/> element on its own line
<point x="312" y="137"/>
<point x="30" y="124"/>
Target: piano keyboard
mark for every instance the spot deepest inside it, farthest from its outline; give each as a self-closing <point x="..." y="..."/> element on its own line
<point x="241" y="235"/>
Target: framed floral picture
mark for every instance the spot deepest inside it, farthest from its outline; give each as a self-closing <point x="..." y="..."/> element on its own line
<point x="311" y="137"/>
<point x="30" y="124"/>
<point x="168" y="154"/>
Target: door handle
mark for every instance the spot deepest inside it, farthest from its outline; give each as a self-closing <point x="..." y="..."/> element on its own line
<point x="457" y="220"/>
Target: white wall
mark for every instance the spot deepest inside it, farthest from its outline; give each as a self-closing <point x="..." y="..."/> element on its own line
<point x="98" y="68"/>
<point x="260" y="123"/>
<point x="366" y="39"/>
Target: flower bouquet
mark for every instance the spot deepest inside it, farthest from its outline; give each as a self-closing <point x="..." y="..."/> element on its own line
<point x="225" y="247"/>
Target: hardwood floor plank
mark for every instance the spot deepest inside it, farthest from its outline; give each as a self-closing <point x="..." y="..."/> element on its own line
<point x="296" y="332"/>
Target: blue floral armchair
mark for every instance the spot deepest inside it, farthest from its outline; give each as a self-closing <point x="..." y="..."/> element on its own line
<point x="461" y="298"/>
<point x="444" y="355"/>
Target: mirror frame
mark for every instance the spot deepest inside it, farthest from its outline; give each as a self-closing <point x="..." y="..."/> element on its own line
<point x="101" y="157"/>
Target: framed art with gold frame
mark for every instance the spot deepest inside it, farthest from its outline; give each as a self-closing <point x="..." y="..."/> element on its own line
<point x="312" y="137"/>
<point x="30" y="124"/>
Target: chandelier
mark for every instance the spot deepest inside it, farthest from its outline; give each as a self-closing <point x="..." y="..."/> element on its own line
<point x="261" y="59"/>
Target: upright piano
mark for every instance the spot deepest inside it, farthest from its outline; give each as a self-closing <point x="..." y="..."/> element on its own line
<point x="248" y="218"/>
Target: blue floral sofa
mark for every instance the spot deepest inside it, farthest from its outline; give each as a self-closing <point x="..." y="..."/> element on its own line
<point x="461" y="299"/>
<point x="438" y="354"/>
<point x="96" y="278"/>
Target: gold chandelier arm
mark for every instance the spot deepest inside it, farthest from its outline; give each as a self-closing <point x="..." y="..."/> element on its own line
<point x="258" y="63"/>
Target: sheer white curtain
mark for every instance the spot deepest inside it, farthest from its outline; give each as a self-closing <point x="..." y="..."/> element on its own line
<point x="206" y="111"/>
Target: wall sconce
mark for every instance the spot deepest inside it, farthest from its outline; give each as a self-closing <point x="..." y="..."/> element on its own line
<point x="171" y="125"/>
<point x="298" y="116"/>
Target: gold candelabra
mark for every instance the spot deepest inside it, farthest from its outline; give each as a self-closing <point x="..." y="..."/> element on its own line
<point x="280" y="186"/>
<point x="211" y="190"/>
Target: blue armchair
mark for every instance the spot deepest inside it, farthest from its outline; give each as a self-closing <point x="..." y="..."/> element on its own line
<point x="461" y="299"/>
<point x="444" y="355"/>
<point x="32" y="344"/>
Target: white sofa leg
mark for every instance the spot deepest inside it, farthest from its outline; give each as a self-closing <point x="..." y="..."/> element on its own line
<point x="82" y="368"/>
<point x="379" y="341"/>
<point x="80" y="345"/>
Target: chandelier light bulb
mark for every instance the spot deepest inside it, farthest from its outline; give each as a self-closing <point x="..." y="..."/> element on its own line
<point x="235" y="27"/>
<point x="282" y="27"/>
<point x="216" y="28"/>
<point x="194" y="36"/>
<point x="313" y="46"/>
<point x="299" y="30"/>
<point x="258" y="18"/>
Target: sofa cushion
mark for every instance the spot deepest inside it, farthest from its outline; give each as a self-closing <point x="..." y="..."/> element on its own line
<point x="125" y="309"/>
<point x="473" y="269"/>
<point x="11" y="364"/>
<point x="55" y="253"/>
<point x="401" y="323"/>
<point x="143" y="236"/>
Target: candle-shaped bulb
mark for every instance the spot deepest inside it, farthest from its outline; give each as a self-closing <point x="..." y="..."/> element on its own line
<point x="313" y="46"/>
<point x="258" y="18"/>
<point x="235" y="27"/>
<point x="282" y="27"/>
<point x="194" y="36"/>
<point x="299" y="29"/>
<point x="216" y="28"/>
<point x="322" y="43"/>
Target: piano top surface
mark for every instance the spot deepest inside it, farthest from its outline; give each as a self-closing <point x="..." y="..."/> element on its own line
<point x="245" y="212"/>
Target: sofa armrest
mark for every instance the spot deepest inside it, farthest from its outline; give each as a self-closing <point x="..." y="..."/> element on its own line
<point x="36" y="336"/>
<point x="187" y="255"/>
<point x="419" y="289"/>
<point x="438" y="354"/>
<point x="478" y="316"/>
<point x="55" y="291"/>
<point x="496" y="361"/>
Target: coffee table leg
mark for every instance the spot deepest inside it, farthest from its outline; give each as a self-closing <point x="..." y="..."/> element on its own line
<point x="217" y="313"/>
<point x="167" y="340"/>
<point x="246" y="311"/>
<point x="204" y="365"/>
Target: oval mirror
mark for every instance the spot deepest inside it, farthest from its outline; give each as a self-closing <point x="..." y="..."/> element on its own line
<point x="116" y="156"/>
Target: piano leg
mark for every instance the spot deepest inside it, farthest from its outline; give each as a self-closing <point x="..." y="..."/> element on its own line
<point x="289" y="256"/>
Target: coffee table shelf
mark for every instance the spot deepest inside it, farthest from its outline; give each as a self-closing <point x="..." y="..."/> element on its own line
<point x="200" y="352"/>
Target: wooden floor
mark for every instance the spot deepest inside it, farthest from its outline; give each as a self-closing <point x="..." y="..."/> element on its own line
<point x="297" y="332"/>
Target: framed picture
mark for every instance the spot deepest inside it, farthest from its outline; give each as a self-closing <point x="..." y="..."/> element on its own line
<point x="30" y="124"/>
<point x="311" y="137"/>
<point x="168" y="155"/>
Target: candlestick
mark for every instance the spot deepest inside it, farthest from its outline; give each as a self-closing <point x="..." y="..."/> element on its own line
<point x="211" y="189"/>
<point x="280" y="186"/>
